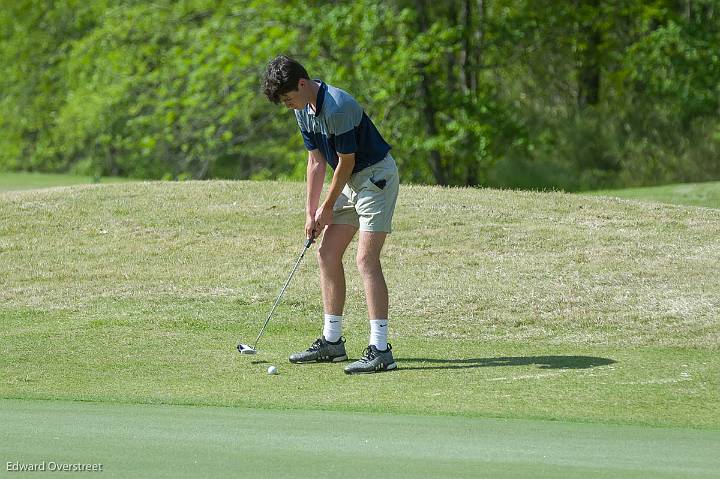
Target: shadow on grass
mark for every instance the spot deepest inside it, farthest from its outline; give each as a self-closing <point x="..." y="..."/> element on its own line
<point x="542" y="362"/>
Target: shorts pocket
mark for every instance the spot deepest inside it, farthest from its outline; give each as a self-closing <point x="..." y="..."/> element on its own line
<point x="370" y="185"/>
<point x="380" y="181"/>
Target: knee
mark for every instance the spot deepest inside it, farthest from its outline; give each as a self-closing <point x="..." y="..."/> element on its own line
<point x="367" y="264"/>
<point x="328" y="257"/>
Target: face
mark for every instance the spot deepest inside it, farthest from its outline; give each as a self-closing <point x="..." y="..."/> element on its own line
<point x="292" y="100"/>
<point x="296" y="99"/>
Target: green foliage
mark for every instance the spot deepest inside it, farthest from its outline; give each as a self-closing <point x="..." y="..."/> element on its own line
<point x="513" y="93"/>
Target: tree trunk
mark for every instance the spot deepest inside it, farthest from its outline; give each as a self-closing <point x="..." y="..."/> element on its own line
<point x="465" y="51"/>
<point x="429" y="113"/>
<point x="474" y="32"/>
<point x="429" y="110"/>
<point x="589" y="61"/>
<point x="472" y="43"/>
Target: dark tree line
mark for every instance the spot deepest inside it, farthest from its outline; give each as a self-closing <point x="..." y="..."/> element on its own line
<point x="572" y="94"/>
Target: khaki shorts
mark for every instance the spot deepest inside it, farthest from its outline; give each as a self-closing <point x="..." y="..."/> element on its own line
<point x="368" y="200"/>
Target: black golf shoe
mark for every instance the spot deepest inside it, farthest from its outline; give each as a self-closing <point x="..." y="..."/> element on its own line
<point x="373" y="361"/>
<point x="321" y="351"/>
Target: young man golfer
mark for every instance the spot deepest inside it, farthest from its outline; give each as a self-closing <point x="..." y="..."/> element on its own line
<point x="362" y="195"/>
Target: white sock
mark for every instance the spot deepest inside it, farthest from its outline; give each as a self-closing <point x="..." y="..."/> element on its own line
<point x="333" y="328"/>
<point x="378" y="333"/>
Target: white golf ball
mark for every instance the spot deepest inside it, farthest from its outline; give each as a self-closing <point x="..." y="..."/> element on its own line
<point x="272" y="370"/>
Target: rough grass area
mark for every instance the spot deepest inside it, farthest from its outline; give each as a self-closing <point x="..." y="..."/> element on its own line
<point x="507" y="304"/>
<point x="692" y="194"/>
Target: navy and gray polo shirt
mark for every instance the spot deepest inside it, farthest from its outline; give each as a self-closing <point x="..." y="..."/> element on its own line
<point x="341" y="126"/>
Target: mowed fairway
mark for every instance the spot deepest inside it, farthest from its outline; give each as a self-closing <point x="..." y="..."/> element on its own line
<point x="526" y="326"/>
<point x="182" y="441"/>
<point x="31" y="181"/>
<point x="692" y="194"/>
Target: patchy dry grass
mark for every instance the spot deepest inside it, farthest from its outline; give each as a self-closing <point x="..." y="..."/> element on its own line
<point x="138" y="291"/>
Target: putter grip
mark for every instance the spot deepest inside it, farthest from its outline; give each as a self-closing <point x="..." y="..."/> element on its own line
<point x="309" y="242"/>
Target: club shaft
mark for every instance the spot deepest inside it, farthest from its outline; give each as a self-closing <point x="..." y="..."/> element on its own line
<point x="282" y="291"/>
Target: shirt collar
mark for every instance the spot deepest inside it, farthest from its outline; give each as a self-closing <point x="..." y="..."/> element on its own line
<point x="319" y="101"/>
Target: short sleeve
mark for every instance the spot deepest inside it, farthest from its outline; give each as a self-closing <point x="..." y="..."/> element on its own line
<point x="308" y="138"/>
<point x="343" y="126"/>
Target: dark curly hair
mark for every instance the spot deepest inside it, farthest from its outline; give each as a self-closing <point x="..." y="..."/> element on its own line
<point x="282" y="76"/>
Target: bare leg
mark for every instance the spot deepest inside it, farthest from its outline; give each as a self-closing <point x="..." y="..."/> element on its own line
<point x="368" y="262"/>
<point x="332" y="275"/>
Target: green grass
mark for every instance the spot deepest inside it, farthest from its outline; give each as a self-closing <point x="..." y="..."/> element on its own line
<point x="692" y="194"/>
<point x="515" y="305"/>
<point x="220" y="442"/>
<point x="10" y="181"/>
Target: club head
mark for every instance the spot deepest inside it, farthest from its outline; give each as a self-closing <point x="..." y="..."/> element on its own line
<point x="245" y="349"/>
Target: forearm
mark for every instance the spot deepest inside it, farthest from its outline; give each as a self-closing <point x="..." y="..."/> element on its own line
<point x="315" y="178"/>
<point x="342" y="174"/>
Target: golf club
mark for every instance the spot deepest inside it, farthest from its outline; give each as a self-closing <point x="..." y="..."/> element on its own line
<point x="247" y="349"/>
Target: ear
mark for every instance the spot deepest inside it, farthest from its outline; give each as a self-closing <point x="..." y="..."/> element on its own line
<point x="302" y="83"/>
